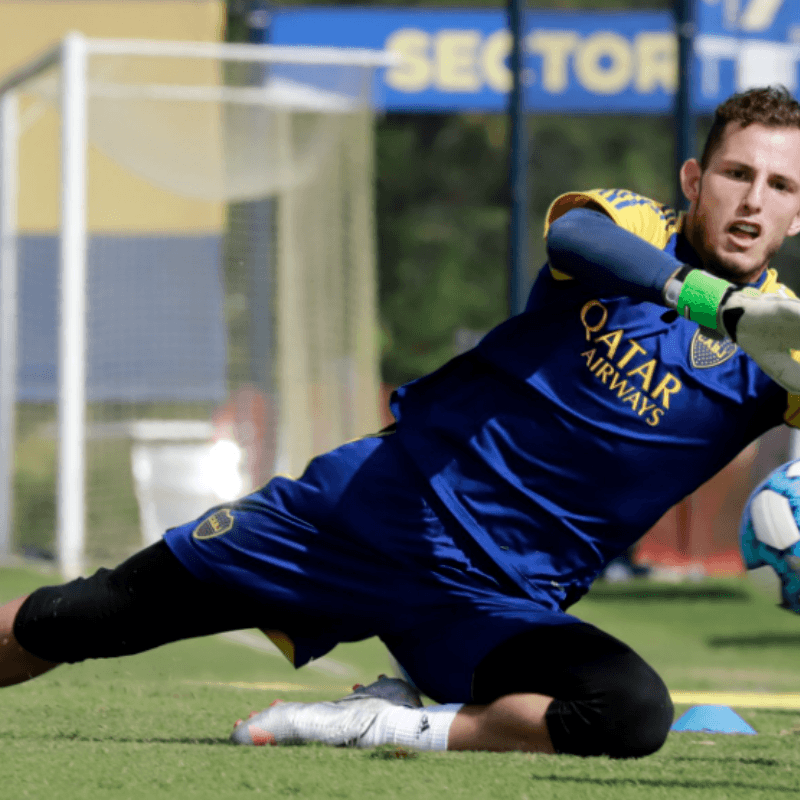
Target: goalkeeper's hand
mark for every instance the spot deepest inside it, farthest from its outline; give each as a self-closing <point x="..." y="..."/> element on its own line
<point x="765" y="326"/>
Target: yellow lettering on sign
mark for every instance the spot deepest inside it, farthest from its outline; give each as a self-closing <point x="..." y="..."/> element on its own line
<point x="605" y="63"/>
<point x="596" y="75"/>
<point x="656" y="61"/>
<point x="493" y="60"/>
<point x="456" y="61"/>
<point x="555" y="48"/>
<point x="415" y="72"/>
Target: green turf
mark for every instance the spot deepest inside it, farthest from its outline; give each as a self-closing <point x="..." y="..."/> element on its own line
<point x="156" y="725"/>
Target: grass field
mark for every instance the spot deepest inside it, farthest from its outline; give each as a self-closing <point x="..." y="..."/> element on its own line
<point x="156" y="725"/>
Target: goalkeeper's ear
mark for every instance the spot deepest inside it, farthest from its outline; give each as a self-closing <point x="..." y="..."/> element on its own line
<point x="690" y="175"/>
<point x="794" y="228"/>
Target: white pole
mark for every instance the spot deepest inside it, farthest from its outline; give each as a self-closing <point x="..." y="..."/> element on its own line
<point x="71" y="512"/>
<point x="9" y="144"/>
<point x="224" y="51"/>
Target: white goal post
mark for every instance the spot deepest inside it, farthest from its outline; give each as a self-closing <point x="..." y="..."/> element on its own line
<point x="269" y="137"/>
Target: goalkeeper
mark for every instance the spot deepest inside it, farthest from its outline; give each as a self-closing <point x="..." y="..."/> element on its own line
<point x="652" y="350"/>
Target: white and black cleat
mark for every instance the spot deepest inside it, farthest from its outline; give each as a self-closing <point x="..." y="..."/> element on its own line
<point x="340" y="722"/>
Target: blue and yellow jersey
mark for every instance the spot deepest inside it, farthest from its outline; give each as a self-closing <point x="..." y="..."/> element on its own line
<point x="570" y="429"/>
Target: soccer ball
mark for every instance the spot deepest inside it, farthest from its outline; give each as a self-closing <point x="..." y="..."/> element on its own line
<point x="769" y="534"/>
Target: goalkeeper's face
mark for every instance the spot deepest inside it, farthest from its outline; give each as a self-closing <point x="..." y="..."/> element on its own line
<point x="746" y="201"/>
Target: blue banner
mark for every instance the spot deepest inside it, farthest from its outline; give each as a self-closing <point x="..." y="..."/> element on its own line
<point x="579" y="62"/>
<point x="744" y="43"/>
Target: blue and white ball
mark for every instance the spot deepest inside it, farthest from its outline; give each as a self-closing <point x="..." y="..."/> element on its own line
<point x="770" y="530"/>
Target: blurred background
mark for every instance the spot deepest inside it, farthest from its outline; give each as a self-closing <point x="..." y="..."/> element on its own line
<point x="239" y="322"/>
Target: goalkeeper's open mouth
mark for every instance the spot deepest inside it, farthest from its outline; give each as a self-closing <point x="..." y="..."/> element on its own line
<point x="743" y="234"/>
<point x="745" y="230"/>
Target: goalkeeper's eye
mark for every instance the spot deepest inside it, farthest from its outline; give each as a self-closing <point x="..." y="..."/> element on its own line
<point x="737" y="173"/>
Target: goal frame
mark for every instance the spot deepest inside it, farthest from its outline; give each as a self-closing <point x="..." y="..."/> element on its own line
<point x="72" y="55"/>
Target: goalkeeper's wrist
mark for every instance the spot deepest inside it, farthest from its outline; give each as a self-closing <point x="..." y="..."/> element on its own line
<point x="698" y="296"/>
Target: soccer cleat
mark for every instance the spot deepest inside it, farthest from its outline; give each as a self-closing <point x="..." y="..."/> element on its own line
<point x="339" y="723"/>
<point x="395" y="690"/>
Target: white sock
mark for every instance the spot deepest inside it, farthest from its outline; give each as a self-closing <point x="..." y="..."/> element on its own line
<point x="421" y="728"/>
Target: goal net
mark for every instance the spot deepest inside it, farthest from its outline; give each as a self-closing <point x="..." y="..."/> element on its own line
<point x="187" y="282"/>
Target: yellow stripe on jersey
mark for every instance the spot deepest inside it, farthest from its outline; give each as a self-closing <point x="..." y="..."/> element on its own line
<point x="283" y="642"/>
<point x="771" y="285"/>
<point x="651" y="221"/>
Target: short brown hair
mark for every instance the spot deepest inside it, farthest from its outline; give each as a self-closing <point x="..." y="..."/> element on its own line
<point x="772" y="106"/>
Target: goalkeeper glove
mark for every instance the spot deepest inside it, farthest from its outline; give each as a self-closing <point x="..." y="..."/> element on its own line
<point x="765" y="326"/>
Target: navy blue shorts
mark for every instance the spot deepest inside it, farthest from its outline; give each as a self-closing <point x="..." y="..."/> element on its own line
<point x="358" y="547"/>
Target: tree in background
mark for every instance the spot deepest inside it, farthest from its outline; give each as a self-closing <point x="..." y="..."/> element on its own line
<point x="443" y="203"/>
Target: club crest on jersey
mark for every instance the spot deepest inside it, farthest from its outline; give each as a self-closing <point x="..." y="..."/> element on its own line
<point x="710" y="349"/>
<point x="218" y="523"/>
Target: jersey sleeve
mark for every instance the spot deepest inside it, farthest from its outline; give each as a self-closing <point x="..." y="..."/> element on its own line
<point x="772" y="285"/>
<point x="651" y="221"/>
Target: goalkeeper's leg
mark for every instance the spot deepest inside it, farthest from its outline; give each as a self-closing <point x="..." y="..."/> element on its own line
<point x="582" y="689"/>
<point x="149" y="600"/>
<point x="16" y="663"/>
<point x="567" y="688"/>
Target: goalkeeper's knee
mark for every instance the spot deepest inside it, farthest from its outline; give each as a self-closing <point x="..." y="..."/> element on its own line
<point x="608" y="700"/>
<point x="629" y="718"/>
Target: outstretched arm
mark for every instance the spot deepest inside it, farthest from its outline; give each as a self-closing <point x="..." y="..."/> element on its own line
<point x="587" y="245"/>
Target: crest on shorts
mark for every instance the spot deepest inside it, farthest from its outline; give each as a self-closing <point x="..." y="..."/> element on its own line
<point x="218" y="523"/>
<point x="710" y="349"/>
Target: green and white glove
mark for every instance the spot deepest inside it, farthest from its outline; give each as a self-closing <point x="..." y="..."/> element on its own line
<point x="765" y="326"/>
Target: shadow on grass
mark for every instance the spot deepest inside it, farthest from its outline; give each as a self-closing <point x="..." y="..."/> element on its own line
<point x="752" y="762"/>
<point x="666" y="784"/>
<point x="201" y="740"/>
<point x="658" y="593"/>
<point x="754" y="640"/>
